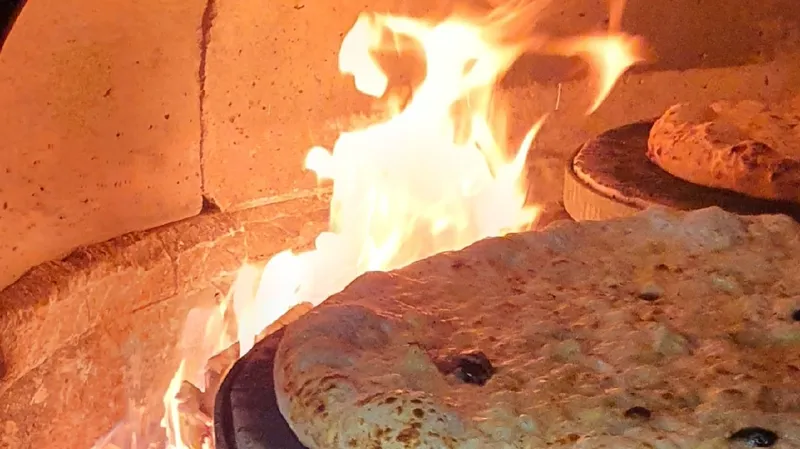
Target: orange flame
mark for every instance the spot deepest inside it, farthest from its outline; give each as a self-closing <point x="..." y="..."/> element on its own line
<point x="609" y="55"/>
<point x="205" y="334"/>
<point x="436" y="176"/>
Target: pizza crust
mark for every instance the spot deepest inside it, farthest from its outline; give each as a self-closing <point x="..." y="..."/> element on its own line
<point x="745" y="147"/>
<point x="687" y="316"/>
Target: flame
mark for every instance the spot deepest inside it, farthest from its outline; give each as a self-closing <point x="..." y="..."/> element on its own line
<point x="609" y="55"/>
<point x="436" y="176"/>
<point x="206" y="333"/>
<point x="615" y="10"/>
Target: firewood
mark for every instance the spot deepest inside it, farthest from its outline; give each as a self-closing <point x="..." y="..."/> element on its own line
<point x="195" y="425"/>
<point x="217" y="368"/>
<point x="196" y="406"/>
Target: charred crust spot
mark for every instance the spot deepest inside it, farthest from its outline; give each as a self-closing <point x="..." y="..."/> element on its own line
<point x="751" y="152"/>
<point x="407" y="435"/>
<point x="368" y="399"/>
<point x="657" y="150"/>
<point x="739" y="149"/>
<point x="320" y="408"/>
<point x="302" y="387"/>
<point x="473" y="368"/>
<point x="733" y="392"/>
<point x="390" y="400"/>
<point x="567" y="439"/>
<point x="457" y="264"/>
<point x="649" y="296"/>
<point x="418" y="412"/>
<point x="331" y="377"/>
<point x="755" y="436"/>
<point x="327" y="383"/>
<point x="638" y="412"/>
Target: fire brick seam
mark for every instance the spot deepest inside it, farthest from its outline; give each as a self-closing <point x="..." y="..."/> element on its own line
<point x="207" y="21"/>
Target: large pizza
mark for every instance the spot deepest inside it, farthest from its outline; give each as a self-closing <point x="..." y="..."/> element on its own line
<point x="662" y="330"/>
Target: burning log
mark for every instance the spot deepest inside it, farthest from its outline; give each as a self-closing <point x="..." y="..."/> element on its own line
<point x="218" y="366"/>
<point x="216" y="370"/>
<point x="135" y="432"/>
<point x="195" y="406"/>
<point x="195" y="423"/>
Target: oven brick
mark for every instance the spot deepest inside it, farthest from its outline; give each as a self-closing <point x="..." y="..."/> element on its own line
<point x="136" y="291"/>
<point x="100" y="125"/>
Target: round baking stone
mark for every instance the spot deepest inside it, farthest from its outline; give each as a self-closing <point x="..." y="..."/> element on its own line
<point x="624" y="181"/>
<point x="246" y="414"/>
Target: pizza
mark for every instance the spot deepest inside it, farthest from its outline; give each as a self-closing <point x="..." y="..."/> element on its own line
<point x="662" y="330"/>
<point x="743" y="146"/>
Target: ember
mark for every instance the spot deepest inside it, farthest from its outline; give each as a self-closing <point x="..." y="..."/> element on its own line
<point x="437" y="176"/>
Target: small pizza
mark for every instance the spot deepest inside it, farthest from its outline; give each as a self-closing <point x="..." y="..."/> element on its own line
<point x="663" y="330"/>
<point x="740" y="146"/>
